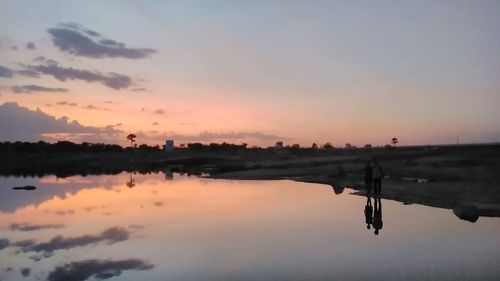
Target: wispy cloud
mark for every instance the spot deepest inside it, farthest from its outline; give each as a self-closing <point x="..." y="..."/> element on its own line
<point x="67" y="103"/>
<point x="138" y="90"/>
<point x="24" y="227"/>
<point x="112" y="80"/>
<point x="28" y="73"/>
<point x="5" y="72"/>
<point x="99" y="269"/>
<point x="36" y="88"/>
<point x="30" y="46"/>
<point x="78" y="41"/>
<point x="111" y="235"/>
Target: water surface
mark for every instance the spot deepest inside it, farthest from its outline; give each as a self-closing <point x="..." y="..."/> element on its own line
<point x="155" y="227"/>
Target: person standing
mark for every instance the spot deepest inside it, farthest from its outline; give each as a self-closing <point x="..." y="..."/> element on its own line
<point x="378" y="174"/>
<point x="368" y="177"/>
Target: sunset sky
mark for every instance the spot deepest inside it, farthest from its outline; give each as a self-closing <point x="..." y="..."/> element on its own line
<point x="251" y="71"/>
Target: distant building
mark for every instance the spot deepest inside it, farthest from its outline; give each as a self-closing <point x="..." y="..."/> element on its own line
<point x="169" y="175"/>
<point x="169" y="145"/>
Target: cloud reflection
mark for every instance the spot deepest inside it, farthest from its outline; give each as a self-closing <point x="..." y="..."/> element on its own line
<point x="99" y="269"/>
<point x="111" y="235"/>
<point x="33" y="227"/>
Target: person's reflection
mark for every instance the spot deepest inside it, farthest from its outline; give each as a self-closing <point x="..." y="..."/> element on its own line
<point x="377" y="216"/>
<point x="131" y="182"/>
<point x="368" y="211"/>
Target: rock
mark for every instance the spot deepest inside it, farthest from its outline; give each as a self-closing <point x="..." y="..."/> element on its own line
<point x="468" y="213"/>
<point x="26" y="187"/>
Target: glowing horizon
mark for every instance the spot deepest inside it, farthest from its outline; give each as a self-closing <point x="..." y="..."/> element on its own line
<point x="302" y="72"/>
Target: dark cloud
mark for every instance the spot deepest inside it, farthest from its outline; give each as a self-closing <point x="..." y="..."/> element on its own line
<point x="28" y="73"/>
<point x="30" y="46"/>
<point x="35" y="88"/>
<point x="99" y="269"/>
<point x="156" y="123"/>
<point x="112" y="80"/>
<point x="110" y="235"/>
<point x="67" y="103"/>
<point x="159" y="111"/>
<point x="18" y="123"/>
<point x="33" y="227"/>
<point x="25" y="272"/>
<point x="4" y="243"/>
<point x="73" y="39"/>
<point x="5" y="72"/>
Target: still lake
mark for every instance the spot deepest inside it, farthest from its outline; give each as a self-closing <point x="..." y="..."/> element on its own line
<point x="164" y="227"/>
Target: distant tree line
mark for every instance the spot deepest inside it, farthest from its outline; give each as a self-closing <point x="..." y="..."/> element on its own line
<point x="58" y="147"/>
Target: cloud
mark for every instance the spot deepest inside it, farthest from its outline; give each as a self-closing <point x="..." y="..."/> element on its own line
<point x="159" y="111"/>
<point x="93" y="107"/>
<point x="43" y="59"/>
<point x="67" y="103"/>
<point x="99" y="269"/>
<point x="156" y="123"/>
<point x="30" y="46"/>
<point x="28" y="73"/>
<point x="25" y="271"/>
<point x="138" y="89"/>
<point x="111" y="235"/>
<point x="35" y="88"/>
<point x="4" y="243"/>
<point x="112" y="80"/>
<point x="230" y="136"/>
<point x="23" y="227"/>
<point x="207" y="137"/>
<point x="73" y="39"/>
<point x="18" y="123"/>
<point x="5" y="72"/>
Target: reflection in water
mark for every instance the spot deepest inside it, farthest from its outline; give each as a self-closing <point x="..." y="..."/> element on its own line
<point x="203" y="229"/>
<point x="368" y="211"/>
<point x="99" y="269"/>
<point x="377" y="215"/>
<point x="131" y="182"/>
<point x="338" y="189"/>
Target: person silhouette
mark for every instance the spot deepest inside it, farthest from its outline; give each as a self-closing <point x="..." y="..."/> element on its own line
<point x="378" y="174"/>
<point x="368" y="211"/>
<point x="377" y="216"/>
<point x="368" y="177"/>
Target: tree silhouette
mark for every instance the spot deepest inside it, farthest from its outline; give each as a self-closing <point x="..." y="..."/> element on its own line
<point x="394" y="141"/>
<point x="131" y="138"/>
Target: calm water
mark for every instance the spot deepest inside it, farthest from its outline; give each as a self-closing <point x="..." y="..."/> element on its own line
<point x="158" y="228"/>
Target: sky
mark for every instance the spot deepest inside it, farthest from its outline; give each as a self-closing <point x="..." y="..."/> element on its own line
<point x="359" y="72"/>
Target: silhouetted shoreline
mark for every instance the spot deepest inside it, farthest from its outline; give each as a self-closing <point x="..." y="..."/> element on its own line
<point x="463" y="178"/>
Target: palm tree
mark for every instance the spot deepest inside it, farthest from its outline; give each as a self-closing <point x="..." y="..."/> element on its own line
<point x="131" y="138"/>
<point x="394" y="141"/>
